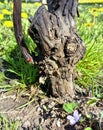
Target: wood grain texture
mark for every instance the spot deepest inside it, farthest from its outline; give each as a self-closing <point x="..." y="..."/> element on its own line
<point x="60" y="48"/>
<point x="55" y="34"/>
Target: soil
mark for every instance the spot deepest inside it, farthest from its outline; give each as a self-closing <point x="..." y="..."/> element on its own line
<point x="47" y="112"/>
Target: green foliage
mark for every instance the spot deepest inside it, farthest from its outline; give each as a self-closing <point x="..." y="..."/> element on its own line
<point x="70" y="107"/>
<point x="92" y="101"/>
<point x="25" y="104"/>
<point x="17" y="65"/>
<point x="88" y="128"/>
<point x="90" y="29"/>
<point x="5" y="124"/>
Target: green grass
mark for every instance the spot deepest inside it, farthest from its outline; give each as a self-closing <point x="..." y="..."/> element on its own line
<point x="89" y="69"/>
<point x="92" y="65"/>
<point x="15" y="64"/>
<point x="5" y="124"/>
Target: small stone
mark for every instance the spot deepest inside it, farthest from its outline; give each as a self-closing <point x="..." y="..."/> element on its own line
<point x="53" y="114"/>
<point x="38" y="109"/>
<point x="26" y="124"/>
<point x="34" y="128"/>
<point x="52" y="104"/>
<point x="58" y="123"/>
<point x="41" y="120"/>
<point x="42" y="80"/>
<point x="20" y="128"/>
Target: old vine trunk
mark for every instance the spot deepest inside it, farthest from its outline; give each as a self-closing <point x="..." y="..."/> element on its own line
<point x="59" y="45"/>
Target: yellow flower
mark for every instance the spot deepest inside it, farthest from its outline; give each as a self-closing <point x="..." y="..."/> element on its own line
<point x="5" y="11"/>
<point x="94" y="9"/>
<point x="90" y="1"/>
<point x="9" y="13"/>
<point x="37" y="4"/>
<point x="100" y="9"/>
<point x="95" y="14"/>
<point x="1" y="16"/>
<point x="8" y="24"/>
<point x="24" y="15"/>
<point x="89" y="24"/>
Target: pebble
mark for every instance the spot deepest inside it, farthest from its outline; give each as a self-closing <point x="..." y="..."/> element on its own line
<point x="20" y="128"/>
<point x="38" y="109"/>
<point x="58" y="123"/>
<point x="26" y="124"/>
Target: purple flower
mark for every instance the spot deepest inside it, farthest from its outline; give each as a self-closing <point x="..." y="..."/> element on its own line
<point x="75" y="118"/>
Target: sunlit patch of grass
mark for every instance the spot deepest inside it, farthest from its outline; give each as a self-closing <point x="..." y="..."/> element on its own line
<point x="92" y="64"/>
<point x="16" y="66"/>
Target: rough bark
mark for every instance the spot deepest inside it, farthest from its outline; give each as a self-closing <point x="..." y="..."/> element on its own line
<point x="60" y="47"/>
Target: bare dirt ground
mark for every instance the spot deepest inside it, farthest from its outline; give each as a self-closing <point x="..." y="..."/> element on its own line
<point x="47" y="112"/>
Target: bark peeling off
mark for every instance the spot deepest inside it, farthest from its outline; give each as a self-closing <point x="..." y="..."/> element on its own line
<point x="60" y="47"/>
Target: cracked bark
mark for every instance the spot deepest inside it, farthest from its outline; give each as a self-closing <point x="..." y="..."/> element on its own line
<point x="60" y="47"/>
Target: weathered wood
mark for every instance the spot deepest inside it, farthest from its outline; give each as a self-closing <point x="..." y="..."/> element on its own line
<point x="60" y="47"/>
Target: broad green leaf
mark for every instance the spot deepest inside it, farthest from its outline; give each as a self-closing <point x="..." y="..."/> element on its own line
<point x="70" y="107"/>
<point x="88" y="128"/>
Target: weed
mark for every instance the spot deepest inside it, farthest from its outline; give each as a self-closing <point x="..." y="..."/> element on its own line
<point x="5" y="124"/>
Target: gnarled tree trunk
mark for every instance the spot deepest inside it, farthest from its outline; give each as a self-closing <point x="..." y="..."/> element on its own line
<point x="59" y="45"/>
